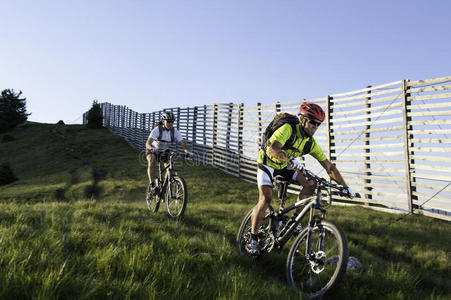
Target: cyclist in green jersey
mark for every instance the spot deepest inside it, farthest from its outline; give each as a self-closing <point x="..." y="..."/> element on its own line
<point x="274" y="160"/>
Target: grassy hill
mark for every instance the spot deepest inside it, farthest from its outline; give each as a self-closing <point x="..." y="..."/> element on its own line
<point x="75" y="225"/>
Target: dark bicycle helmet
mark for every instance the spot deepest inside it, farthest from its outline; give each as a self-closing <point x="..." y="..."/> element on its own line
<point x="312" y="111"/>
<point x="169" y="116"/>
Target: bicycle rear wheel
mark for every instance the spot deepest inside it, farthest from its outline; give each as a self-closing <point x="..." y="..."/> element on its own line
<point x="266" y="239"/>
<point x="320" y="273"/>
<point x="153" y="201"/>
<point x="176" y="197"/>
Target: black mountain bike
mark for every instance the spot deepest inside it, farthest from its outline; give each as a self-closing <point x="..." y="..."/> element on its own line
<point x="171" y="187"/>
<point x="318" y="257"/>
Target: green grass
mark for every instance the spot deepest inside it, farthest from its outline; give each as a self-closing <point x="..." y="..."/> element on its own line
<point x="112" y="247"/>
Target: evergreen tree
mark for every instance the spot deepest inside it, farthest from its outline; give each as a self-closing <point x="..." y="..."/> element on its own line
<point x="94" y="117"/>
<point x="13" y="110"/>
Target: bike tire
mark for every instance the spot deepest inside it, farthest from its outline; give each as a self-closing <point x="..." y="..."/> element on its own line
<point x="245" y="230"/>
<point x="307" y="276"/>
<point x="153" y="204"/>
<point x="176" y="205"/>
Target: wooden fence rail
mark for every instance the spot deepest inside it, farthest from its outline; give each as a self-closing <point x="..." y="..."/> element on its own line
<point x="391" y="142"/>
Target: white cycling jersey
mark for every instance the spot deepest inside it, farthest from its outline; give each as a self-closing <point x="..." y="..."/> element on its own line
<point x="165" y="141"/>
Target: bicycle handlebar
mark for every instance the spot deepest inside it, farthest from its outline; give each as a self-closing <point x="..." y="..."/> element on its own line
<point x="175" y="154"/>
<point x="342" y="191"/>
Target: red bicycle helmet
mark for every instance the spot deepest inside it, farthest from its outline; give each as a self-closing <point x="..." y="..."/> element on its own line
<point x="312" y="111"/>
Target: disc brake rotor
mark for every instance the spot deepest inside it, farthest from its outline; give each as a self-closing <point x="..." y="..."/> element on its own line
<point x="318" y="263"/>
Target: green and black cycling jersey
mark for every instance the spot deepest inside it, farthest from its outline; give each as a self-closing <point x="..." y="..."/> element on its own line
<point x="281" y="135"/>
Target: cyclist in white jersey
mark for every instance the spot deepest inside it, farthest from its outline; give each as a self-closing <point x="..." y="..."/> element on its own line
<point x="160" y="138"/>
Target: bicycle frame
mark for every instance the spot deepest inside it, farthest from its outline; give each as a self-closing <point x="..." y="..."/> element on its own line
<point x="170" y="171"/>
<point x="309" y="206"/>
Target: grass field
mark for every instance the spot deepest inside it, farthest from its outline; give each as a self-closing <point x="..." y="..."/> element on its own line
<point x="75" y="225"/>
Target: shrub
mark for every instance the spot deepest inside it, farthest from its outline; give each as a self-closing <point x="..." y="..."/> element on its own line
<point x="12" y="110"/>
<point x="8" y="138"/>
<point x="6" y="174"/>
<point x="94" y="117"/>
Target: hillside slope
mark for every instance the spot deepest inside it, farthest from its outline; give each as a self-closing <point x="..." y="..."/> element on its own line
<point x="75" y="225"/>
<point x="60" y="162"/>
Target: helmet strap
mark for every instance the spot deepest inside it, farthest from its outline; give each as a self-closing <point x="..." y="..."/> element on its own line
<point x="303" y="124"/>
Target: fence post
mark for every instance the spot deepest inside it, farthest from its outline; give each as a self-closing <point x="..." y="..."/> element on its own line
<point x="118" y="121"/>
<point x="229" y="126"/>
<point x="240" y="137"/>
<point x="194" y="128"/>
<point x="205" y="126"/>
<point x="178" y="118"/>
<point x="124" y="116"/>
<point x="228" y="158"/>
<point x="149" y="125"/>
<point x="112" y="117"/>
<point x="408" y="153"/>
<point x="108" y="114"/>
<point x="123" y="119"/>
<point x="143" y="131"/>
<point x="260" y="126"/>
<point x="330" y="135"/>
<point x="115" y="118"/>
<point x="367" y="181"/>
<point x="187" y="125"/>
<point x="136" y="139"/>
<point x="215" y="129"/>
<point x="118" y="117"/>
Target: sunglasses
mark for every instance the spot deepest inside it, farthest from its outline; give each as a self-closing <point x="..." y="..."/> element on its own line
<point x="167" y="121"/>
<point x="313" y="122"/>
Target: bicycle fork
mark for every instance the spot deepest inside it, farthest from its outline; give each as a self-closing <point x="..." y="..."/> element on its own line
<point x="317" y="258"/>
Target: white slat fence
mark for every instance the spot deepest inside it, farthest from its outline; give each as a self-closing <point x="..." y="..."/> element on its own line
<point x="391" y="142"/>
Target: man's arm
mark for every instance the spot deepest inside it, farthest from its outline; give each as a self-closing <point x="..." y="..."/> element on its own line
<point x="149" y="143"/>
<point x="333" y="172"/>
<point x="275" y="150"/>
<point x="185" y="146"/>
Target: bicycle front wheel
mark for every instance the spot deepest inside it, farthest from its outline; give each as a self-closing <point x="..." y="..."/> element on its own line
<point x="176" y="197"/>
<point x="319" y="271"/>
<point x="153" y="201"/>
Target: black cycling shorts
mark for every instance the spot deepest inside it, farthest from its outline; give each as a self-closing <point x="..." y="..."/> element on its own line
<point x="161" y="156"/>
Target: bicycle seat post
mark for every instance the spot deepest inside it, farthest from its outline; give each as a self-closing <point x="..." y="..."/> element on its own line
<point x="282" y="186"/>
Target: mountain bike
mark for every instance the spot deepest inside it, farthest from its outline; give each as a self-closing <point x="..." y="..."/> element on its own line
<point x="318" y="258"/>
<point x="170" y="188"/>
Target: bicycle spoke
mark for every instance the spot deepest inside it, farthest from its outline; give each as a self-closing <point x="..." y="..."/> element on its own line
<point x="318" y="271"/>
<point x="176" y="197"/>
<point x="153" y="201"/>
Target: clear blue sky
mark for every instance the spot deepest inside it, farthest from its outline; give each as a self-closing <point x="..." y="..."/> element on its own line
<point x="149" y="55"/>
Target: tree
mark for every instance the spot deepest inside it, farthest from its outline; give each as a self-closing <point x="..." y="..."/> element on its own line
<point x="94" y="117"/>
<point x="13" y="110"/>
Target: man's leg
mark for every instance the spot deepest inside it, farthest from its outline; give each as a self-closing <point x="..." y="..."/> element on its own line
<point x="265" y="196"/>
<point x="308" y="188"/>
<point x="151" y="160"/>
